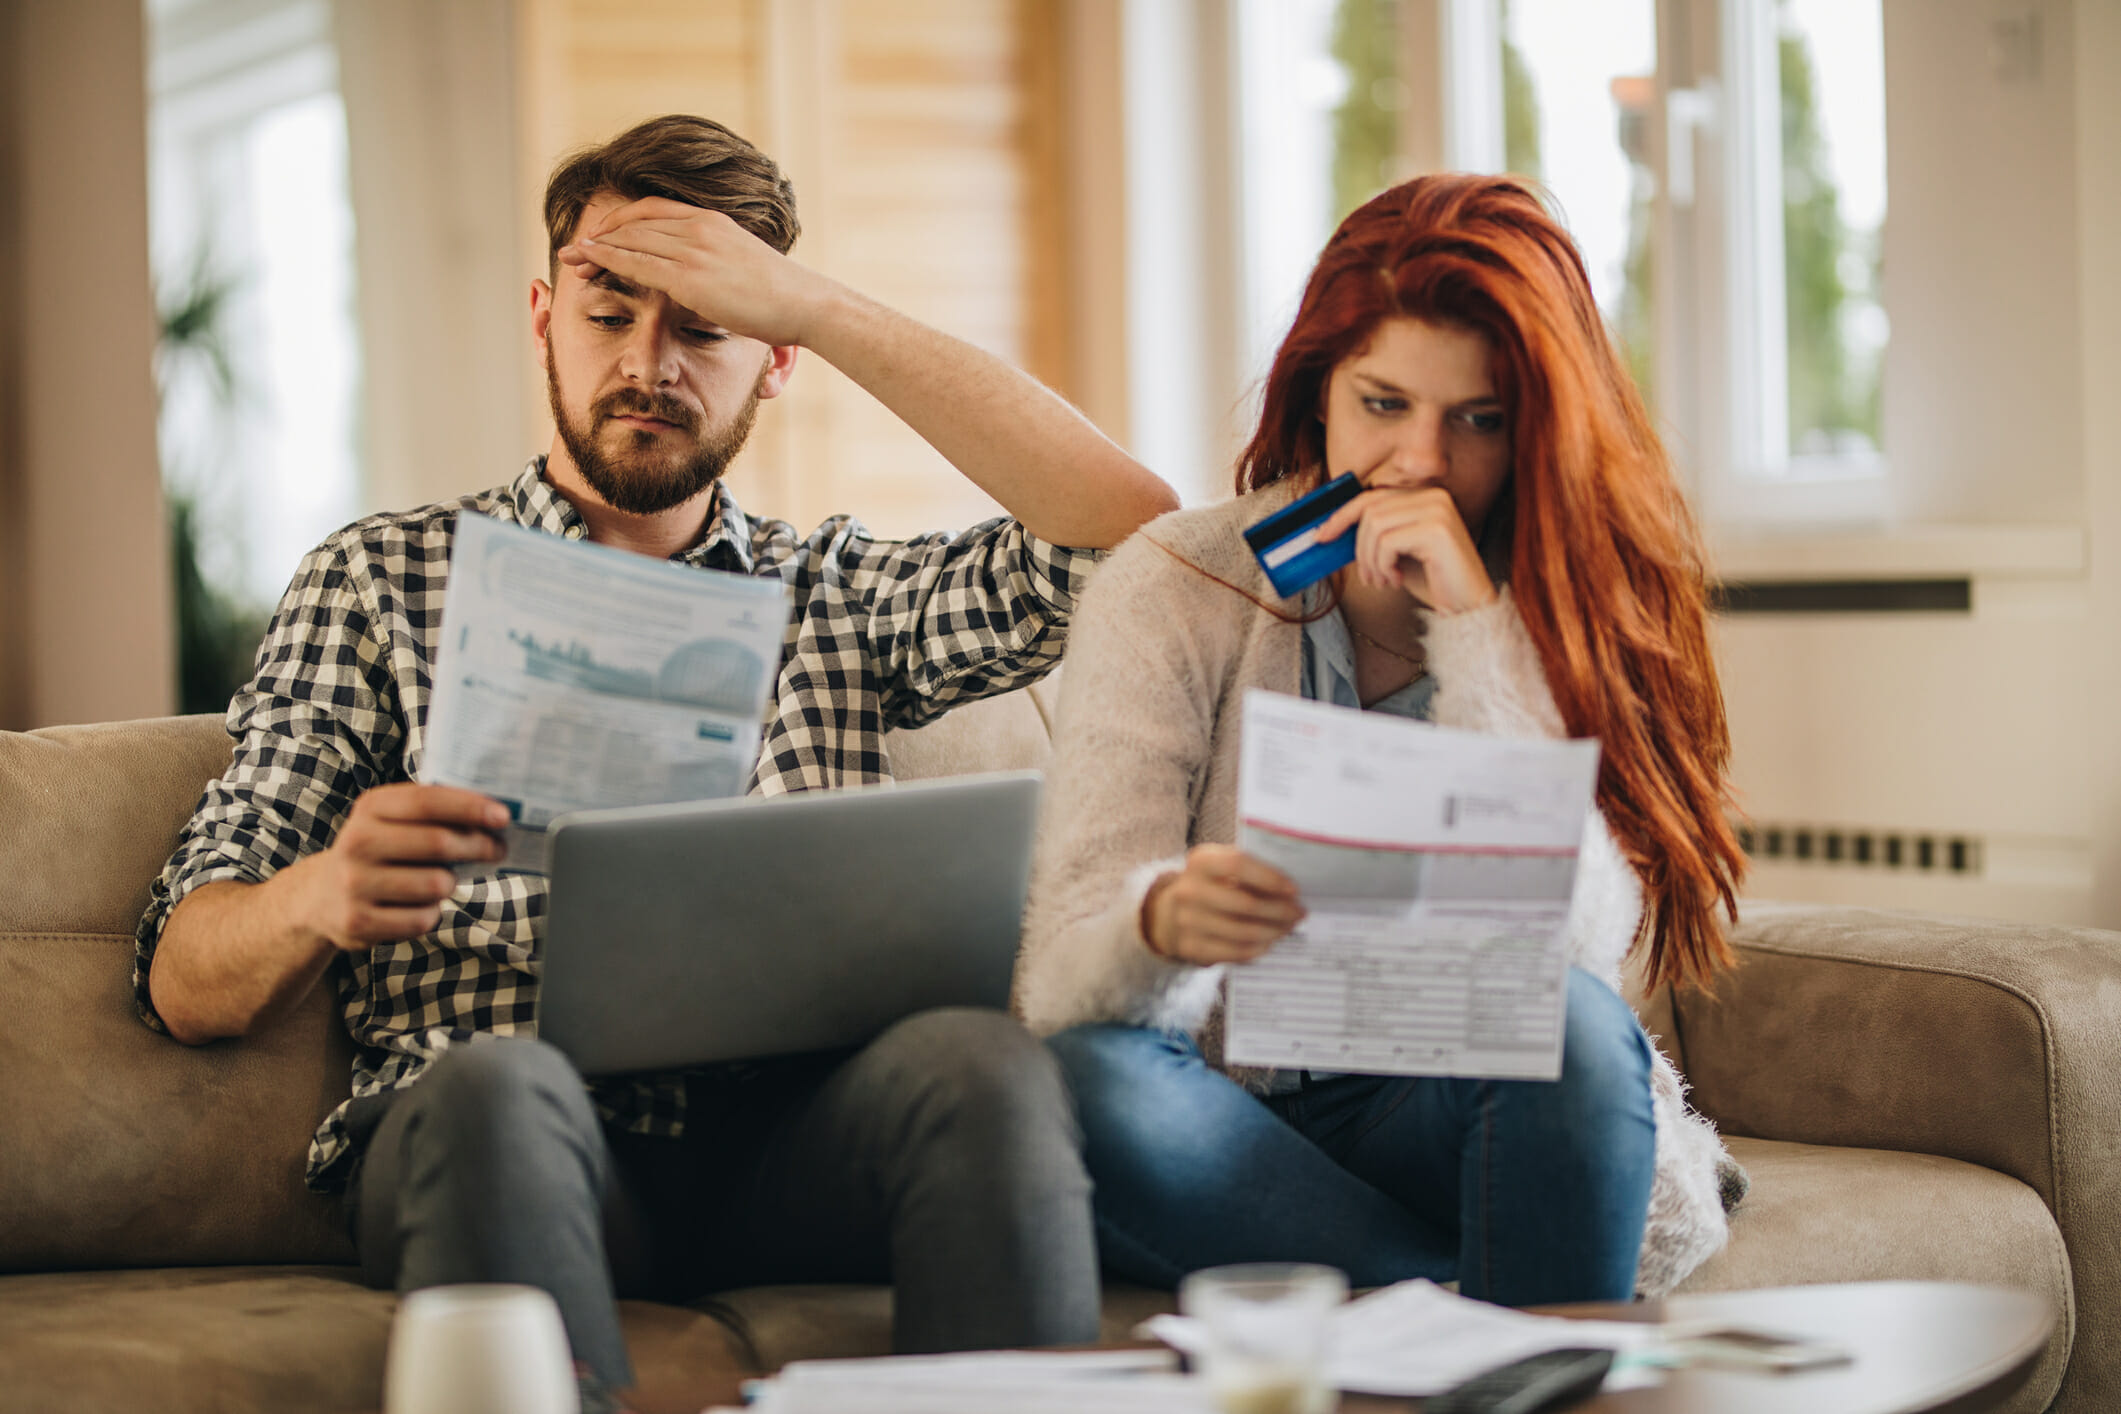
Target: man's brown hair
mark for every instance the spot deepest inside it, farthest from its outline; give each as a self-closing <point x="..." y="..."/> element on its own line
<point x="693" y="160"/>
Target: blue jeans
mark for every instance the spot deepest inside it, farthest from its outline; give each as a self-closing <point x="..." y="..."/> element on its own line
<point x="1523" y="1191"/>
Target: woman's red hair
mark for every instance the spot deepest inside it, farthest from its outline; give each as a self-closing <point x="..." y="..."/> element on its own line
<point x="1605" y="565"/>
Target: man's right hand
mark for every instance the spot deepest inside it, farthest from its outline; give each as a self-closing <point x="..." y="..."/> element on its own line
<point x="233" y="955"/>
<point x="384" y="878"/>
<point x="1224" y="906"/>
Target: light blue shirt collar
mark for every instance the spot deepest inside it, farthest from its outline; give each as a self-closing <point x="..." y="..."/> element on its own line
<point x="1329" y="668"/>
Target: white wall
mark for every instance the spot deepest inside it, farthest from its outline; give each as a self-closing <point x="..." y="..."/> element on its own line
<point x="2003" y="280"/>
<point x="2097" y="41"/>
<point x="1981" y="262"/>
<point x="85" y="598"/>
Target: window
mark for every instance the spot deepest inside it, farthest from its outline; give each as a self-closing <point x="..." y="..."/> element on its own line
<point x="1780" y="273"/>
<point x="251" y="239"/>
<point x="1720" y="163"/>
<point x="1575" y="87"/>
<point x="1294" y="86"/>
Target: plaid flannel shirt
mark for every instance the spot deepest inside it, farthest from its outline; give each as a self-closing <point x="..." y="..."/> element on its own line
<point x="884" y="634"/>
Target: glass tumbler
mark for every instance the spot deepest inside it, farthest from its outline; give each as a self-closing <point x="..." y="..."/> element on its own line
<point x="479" y="1350"/>
<point x="1268" y="1327"/>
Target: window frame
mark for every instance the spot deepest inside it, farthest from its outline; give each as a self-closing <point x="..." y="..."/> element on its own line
<point x="1718" y="287"/>
<point x="1721" y="305"/>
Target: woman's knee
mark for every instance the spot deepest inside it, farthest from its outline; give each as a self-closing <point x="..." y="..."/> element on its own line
<point x="1147" y="1098"/>
<point x="1605" y="1058"/>
<point x="1113" y="1049"/>
<point x="1115" y="1069"/>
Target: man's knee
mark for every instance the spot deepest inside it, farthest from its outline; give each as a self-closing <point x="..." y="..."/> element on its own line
<point x="974" y="1075"/>
<point x="504" y="1091"/>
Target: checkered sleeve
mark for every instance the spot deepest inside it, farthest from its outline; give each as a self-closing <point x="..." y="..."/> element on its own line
<point x="313" y="728"/>
<point x="954" y="618"/>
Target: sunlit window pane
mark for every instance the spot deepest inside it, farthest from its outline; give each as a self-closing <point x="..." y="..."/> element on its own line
<point x="1294" y="90"/>
<point x="251" y="231"/>
<point x="1365" y="44"/>
<point x="1832" y="73"/>
<point x="1578" y="84"/>
<point x="308" y="354"/>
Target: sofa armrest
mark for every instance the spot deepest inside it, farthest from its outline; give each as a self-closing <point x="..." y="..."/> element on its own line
<point x="1995" y="1043"/>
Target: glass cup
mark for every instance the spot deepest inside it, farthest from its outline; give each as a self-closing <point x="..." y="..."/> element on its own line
<point x="479" y="1350"/>
<point x="1267" y="1326"/>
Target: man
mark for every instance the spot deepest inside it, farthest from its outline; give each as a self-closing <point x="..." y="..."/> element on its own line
<point x="943" y="1155"/>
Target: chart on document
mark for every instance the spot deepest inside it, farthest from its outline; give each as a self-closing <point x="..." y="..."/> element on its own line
<point x="573" y="676"/>
<point x="1436" y="868"/>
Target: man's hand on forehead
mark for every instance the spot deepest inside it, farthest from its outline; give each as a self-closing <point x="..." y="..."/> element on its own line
<point x="597" y="277"/>
<point x="702" y="260"/>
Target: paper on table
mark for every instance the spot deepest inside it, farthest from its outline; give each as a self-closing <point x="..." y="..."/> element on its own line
<point x="983" y="1365"/>
<point x="1136" y="1394"/>
<point x="1019" y="1382"/>
<point x="1416" y="1339"/>
<point x="574" y="675"/>
<point x="1436" y="868"/>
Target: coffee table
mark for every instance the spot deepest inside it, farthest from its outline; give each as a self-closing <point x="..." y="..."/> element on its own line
<point x="1920" y="1348"/>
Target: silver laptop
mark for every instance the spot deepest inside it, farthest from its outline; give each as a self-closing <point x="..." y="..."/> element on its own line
<point x="733" y="929"/>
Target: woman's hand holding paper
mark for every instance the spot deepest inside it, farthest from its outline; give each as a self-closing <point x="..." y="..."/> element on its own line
<point x="1223" y="906"/>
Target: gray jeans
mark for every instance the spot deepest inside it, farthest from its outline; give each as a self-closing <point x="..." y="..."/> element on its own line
<point x="943" y="1157"/>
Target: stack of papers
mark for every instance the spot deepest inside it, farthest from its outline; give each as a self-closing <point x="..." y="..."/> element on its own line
<point x="1416" y="1339"/>
<point x="1019" y="1382"/>
<point x="1413" y="1339"/>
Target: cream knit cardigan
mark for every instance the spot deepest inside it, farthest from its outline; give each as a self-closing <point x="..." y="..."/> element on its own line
<point x="1145" y="765"/>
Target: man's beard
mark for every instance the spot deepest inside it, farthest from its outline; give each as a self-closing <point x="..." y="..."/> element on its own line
<point x="639" y="479"/>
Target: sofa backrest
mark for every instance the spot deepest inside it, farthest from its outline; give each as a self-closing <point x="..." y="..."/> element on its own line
<point x="120" y="1147"/>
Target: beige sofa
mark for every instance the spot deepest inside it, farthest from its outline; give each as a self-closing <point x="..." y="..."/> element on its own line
<point x="1914" y="1097"/>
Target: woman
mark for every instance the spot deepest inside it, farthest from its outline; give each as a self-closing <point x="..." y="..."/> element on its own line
<point x="1523" y="566"/>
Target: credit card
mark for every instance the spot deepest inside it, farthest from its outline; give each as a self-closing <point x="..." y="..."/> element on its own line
<point x="1287" y="542"/>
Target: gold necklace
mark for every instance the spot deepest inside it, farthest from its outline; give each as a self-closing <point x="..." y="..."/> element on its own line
<point x="1374" y="643"/>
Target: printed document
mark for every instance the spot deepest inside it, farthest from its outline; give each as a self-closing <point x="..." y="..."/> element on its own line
<point x="997" y="1382"/>
<point x="1416" y="1339"/>
<point x="1436" y="868"/>
<point x="573" y="676"/>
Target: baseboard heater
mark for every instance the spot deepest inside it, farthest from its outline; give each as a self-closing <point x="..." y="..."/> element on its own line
<point x="1862" y="848"/>
<point x="1844" y="596"/>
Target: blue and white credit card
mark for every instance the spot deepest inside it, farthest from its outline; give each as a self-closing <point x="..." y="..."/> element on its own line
<point x="1287" y="542"/>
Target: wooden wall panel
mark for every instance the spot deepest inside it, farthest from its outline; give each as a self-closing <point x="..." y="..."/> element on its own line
<point x="626" y="60"/>
<point x="927" y="191"/>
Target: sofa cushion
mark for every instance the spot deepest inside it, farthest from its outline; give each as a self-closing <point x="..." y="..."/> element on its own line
<point x="1817" y="1214"/>
<point x="233" y="1340"/>
<point x="89" y="815"/>
<point x="1921" y="1058"/>
<point x="1012" y="732"/>
<point x="124" y="1148"/>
